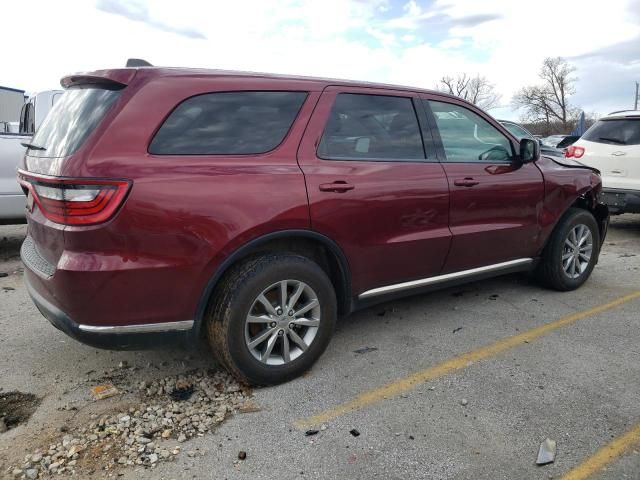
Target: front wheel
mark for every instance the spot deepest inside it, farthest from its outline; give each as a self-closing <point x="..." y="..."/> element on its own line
<point x="272" y="318"/>
<point x="572" y="251"/>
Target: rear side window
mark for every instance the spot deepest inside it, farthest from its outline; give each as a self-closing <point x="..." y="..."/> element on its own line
<point x="228" y="123"/>
<point x="371" y="127"/>
<point x="615" y="132"/>
<point x="73" y="117"/>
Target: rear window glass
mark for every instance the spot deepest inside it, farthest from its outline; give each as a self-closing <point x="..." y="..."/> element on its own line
<point x="228" y="123"/>
<point x="615" y="132"/>
<point x="73" y="117"/>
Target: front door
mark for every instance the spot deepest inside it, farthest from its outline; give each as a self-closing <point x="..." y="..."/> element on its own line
<point x="372" y="188"/>
<point x="495" y="200"/>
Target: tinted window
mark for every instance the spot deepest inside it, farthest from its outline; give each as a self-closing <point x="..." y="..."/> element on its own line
<point x="467" y="137"/>
<point x="372" y="127"/>
<point x="615" y="132"/>
<point x="228" y="123"/>
<point x="71" y="120"/>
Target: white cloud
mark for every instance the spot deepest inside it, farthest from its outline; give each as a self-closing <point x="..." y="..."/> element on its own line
<point x="337" y="38"/>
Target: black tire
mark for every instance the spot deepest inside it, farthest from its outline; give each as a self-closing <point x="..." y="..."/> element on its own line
<point x="231" y="305"/>
<point x="550" y="271"/>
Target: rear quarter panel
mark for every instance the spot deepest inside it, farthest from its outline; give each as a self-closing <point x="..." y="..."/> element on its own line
<point x="184" y="214"/>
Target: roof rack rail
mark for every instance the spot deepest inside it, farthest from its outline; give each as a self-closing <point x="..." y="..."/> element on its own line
<point x="622" y="111"/>
<point x="138" y="62"/>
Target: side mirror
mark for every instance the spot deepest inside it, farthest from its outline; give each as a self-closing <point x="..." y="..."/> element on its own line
<point x="529" y="150"/>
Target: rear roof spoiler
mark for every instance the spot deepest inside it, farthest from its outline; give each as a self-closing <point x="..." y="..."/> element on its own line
<point x="116" y="79"/>
<point x="76" y="80"/>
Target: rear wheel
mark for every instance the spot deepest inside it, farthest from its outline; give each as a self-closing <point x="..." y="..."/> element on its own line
<point x="572" y="251"/>
<point x="272" y="318"/>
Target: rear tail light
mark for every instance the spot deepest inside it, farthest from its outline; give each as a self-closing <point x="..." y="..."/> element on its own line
<point x="573" y="151"/>
<point x="75" y="201"/>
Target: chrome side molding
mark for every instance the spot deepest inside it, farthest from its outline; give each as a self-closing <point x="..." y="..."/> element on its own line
<point x="423" y="282"/>
<point x="140" y="328"/>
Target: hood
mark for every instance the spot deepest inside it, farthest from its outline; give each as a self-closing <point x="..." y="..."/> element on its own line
<point x="571" y="163"/>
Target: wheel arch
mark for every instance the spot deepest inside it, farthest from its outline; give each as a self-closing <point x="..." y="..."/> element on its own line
<point x="588" y="201"/>
<point x="310" y="244"/>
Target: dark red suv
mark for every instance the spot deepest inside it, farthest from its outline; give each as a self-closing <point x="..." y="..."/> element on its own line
<point x="256" y="209"/>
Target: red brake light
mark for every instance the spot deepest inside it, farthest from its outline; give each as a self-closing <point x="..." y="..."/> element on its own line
<point x="75" y="201"/>
<point x="574" y="151"/>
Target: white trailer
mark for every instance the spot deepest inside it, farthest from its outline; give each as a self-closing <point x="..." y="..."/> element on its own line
<point x="31" y="114"/>
<point x="11" y="101"/>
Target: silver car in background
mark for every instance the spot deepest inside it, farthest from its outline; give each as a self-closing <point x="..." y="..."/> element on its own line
<point x="34" y="111"/>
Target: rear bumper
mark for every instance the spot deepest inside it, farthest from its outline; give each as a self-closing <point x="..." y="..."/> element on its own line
<point x="40" y="279"/>
<point x="113" y="338"/>
<point x="621" y="201"/>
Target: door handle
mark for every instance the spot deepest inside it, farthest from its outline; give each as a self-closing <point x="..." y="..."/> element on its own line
<point x="339" y="186"/>
<point x="465" y="182"/>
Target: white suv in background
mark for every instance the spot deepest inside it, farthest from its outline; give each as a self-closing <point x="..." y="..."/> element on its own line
<point x="612" y="145"/>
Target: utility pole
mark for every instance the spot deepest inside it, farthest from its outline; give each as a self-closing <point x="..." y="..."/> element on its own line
<point x="636" y="106"/>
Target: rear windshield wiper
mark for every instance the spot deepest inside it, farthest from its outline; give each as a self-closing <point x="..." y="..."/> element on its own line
<point x="614" y="140"/>
<point x="32" y="146"/>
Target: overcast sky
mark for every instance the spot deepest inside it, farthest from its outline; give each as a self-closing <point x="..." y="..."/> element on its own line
<point x="405" y="42"/>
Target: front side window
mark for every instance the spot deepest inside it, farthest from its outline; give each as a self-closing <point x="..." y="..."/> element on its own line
<point x="371" y="127"/>
<point x="467" y="137"/>
<point x="516" y="130"/>
<point x="615" y="132"/>
<point x="228" y="123"/>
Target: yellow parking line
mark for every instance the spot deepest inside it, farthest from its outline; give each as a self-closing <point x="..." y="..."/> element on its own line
<point x="605" y="455"/>
<point x="402" y="385"/>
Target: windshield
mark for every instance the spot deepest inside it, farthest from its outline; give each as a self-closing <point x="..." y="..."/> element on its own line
<point x="73" y="117"/>
<point x="623" y="131"/>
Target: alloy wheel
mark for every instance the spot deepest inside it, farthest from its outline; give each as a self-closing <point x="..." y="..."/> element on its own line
<point x="282" y="322"/>
<point x="577" y="251"/>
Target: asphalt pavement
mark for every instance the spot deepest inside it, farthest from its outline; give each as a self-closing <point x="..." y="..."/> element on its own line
<point x="464" y="383"/>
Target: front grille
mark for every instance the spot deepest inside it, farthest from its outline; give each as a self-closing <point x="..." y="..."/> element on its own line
<point x="32" y="259"/>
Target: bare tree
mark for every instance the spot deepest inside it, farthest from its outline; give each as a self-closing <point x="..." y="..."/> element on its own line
<point x="477" y="90"/>
<point x="548" y="102"/>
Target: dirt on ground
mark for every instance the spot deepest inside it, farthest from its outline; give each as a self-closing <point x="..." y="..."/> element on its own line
<point x="16" y="408"/>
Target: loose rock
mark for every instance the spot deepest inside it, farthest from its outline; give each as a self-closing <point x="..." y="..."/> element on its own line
<point x="546" y="452"/>
<point x="31" y="473"/>
<point x="136" y="436"/>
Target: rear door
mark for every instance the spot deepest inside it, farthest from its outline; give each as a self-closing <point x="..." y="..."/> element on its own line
<point x="372" y="187"/>
<point x="495" y="200"/>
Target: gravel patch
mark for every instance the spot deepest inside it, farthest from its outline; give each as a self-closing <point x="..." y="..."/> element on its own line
<point x="161" y="416"/>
